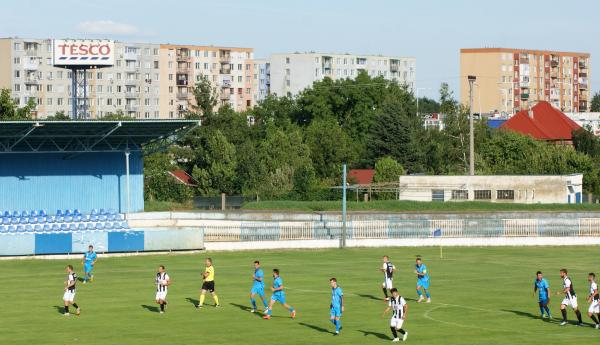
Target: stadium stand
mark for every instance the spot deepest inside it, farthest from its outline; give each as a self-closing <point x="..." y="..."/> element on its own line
<point x="38" y="221"/>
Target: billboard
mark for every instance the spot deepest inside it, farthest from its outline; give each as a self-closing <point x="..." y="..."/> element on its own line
<point x="83" y="53"/>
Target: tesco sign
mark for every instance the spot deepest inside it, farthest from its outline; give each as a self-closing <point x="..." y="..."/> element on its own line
<point x="84" y="52"/>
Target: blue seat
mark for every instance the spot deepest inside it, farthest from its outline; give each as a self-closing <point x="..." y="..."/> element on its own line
<point x="81" y="226"/>
<point x="99" y="226"/>
<point x="94" y="218"/>
<point x="28" y="228"/>
<point x="43" y="213"/>
<point x="24" y="214"/>
<point x="68" y="219"/>
<point x="6" y="220"/>
<point x="15" y="214"/>
<point x="117" y="225"/>
<point x="111" y="211"/>
<point x="77" y="212"/>
<point x="55" y="227"/>
<point x="7" y="214"/>
<point x="72" y="227"/>
<point x="124" y="225"/>
<point x="108" y="226"/>
<point x="11" y="228"/>
<point x="64" y="227"/>
<point x="68" y="213"/>
<point x="102" y="217"/>
<point x="33" y="220"/>
<point x="46" y="227"/>
<point x="24" y="220"/>
<point x="37" y="228"/>
<point x="20" y="228"/>
<point x="77" y="218"/>
<point x="59" y="213"/>
<point x="42" y="219"/>
<point x="14" y="220"/>
<point x="59" y="219"/>
<point x="90" y="226"/>
<point x="51" y="219"/>
<point x="85" y="218"/>
<point x="94" y="212"/>
<point x="33" y="213"/>
<point x="3" y="228"/>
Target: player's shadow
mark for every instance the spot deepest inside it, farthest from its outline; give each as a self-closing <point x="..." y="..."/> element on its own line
<point x="316" y="328"/>
<point x="246" y="308"/>
<point x="59" y="309"/>
<point x="192" y="301"/>
<point x="375" y="334"/>
<point x="371" y="297"/>
<point x="527" y="314"/>
<point x="151" y="308"/>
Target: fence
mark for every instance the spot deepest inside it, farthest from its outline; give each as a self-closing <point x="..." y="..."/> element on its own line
<point x="402" y="229"/>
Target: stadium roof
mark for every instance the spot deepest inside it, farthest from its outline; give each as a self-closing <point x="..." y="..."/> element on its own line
<point x="88" y="136"/>
<point x="543" y="122"/>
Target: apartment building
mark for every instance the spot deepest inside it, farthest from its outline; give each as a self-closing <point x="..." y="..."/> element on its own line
<point x="292" y="73"/>
<point x="510" y="80"/>
<point x="147" y="81"/>
<point x="262" y="79"/>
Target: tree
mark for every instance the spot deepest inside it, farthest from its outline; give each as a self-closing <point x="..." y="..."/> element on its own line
<point x="159" y="184"/>
<point x="58" y="116"/>
<point x="387" y="169"/>
<point x="428" y="106"/>
<point x="10" y="111"/>
<point x="116" y="116"/>
<point x="595" y="104"/>
<point x="216" y="166"/>
<point x="206" y="99"/>
<point x="330" y="147"/>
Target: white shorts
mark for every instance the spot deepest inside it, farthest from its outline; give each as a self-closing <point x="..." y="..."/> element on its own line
<point x="571" y="302"/>
<point x="594" y="307"/>
<point x="388" y="283"/>
<point x="69" y="296"/>
<point x="161" y="295"/>
<point x="396" y="323"/>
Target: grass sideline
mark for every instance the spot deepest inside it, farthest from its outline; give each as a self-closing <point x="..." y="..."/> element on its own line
<point x="158" y="206"/>
<point x="412" y="206"/>
<point x="480" y="296"/>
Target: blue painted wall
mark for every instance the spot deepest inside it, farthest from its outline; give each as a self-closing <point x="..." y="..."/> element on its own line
<point x="59" y="181"/>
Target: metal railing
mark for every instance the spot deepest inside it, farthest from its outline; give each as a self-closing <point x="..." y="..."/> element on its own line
<point x="403" y="229"/>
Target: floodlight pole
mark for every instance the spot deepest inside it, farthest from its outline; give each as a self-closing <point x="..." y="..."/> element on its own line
<point x="343" y="239"/>
<point x="471" y="79"/>
<point x="74" y="96"/>
<point x="127" y="182"/>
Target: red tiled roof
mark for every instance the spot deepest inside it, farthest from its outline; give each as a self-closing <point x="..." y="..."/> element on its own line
<point x="547" y="123"/>
<point x="183" y="177"/>
<point x="361" y="176"/>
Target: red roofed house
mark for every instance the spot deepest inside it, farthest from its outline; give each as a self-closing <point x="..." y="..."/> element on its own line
<point x="183" y="177"/>
<point x="543" y="122"/>
<point x="361" y="176"/>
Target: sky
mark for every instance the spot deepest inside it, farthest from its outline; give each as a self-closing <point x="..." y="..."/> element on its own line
<point x="433" y="31"/>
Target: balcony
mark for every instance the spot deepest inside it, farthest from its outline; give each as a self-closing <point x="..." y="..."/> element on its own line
<point x="182" y="82"/>
<point x="554" y="63"/>
<point x="131" y="94"/>
<point x="32" y="52"/>
<point x="183" y="70"/>
<point x="225" y="95"/>
<point x="132" y="107"/>
<point x="31" y="64"/>
<point x="225" y="58"/>
<point x="582" y="74"/>
<point x="226" y="84"/>
<point x="583" y="86"/>
<point x="394" y="68"/>
<point x="524" y="84"/>
<point x="32" y="80"/>
<point x="131" y="68"/>
<point x="582" y="65"/>
<point x="554" y="74"/>
<point x="524" y="96"/>
<point x="583" y="97"/>
<point x="183" y="95"/>
<point x="327" y="65"/>
<point x="224" y="70"/>
<point x="131" y="56"/>
<point x="184" y="57"/>
<point x="131" y="82"/>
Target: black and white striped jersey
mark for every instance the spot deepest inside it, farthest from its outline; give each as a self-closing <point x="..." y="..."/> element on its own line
<point x="71" y="281"/>
<point x="159" y="278"/>
<point x="567" y="283"/>
<point x="593" y="288"/>
<point x="388" y="270"/>
<point x="397" y="304"/>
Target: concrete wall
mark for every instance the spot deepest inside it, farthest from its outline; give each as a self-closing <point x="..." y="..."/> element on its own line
<point x="33" y="181"/>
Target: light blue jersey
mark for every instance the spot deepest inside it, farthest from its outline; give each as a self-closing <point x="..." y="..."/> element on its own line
<point x="422" y="269"/>
<point x="279" y="295"/>
<point x="336" y="297"/>
<point x="542" y="288"/>
<point x="259" y="284"/>
<point x="89" y="259"/>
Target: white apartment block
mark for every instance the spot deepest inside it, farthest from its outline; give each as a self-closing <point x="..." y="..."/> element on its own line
<point x="292" y="73"/>
<point x="147" y="81"/>
<point x="262" y="79"/>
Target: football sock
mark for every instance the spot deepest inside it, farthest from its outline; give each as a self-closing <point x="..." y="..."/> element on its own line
<point x="265" y="303"/>
<point x="594" y="319"/>
<point x="427" y="294"/>
<point x="338" y="324"/>
<point x="547" y="310"/>
<point x="162" y="307"/>
<point x="253" y="301"/>
<point x="564" y="314"/>
<point x="542" y="310"/>
<point x="402" y="331"/>
<point x="75" y="305"/>
<point x="332" y="321"/>
<point x="578" y="313"/>
<point x="385" y="292"/>
<point x="419" y="293"/>
<point x="66" y="309"/>
<point x="216" y="298"/>
<point x="394" y="333"/>
<point x="268" y="311"/>
<point x="291" y="309"/>
<point x="201" y="300"/>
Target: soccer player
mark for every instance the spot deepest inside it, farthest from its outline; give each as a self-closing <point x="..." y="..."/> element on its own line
<point x="399" y="309"/>
<point x="258" y="286"/>
<point x="594" y="299"/>
<point x="69" y="295"/>
<point x="570" y="298"/>
<point x="422" y="281"/>
<point x="162" y="287"/>
<point x="337" y="305"/>
<point x="89" y="260"/>
<point x="278" y="296"/>
<point x="541" y="286"/>
<point x="388" y="270"/>
<point x="208" y="284"/>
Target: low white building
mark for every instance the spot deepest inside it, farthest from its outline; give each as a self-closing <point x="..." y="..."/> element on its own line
<point x="544" y="189"/>
<point x="591" y="120"/>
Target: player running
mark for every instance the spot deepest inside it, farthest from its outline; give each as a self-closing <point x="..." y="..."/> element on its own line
<point x="399" y="309"/>
<point x="258" y="287"/>
<point x="422" y="281"/>
<point x="69" y="295"/>
<point x="541" y="286"/>
<point x="208" y="284"/>
<point x="570" y="298"/>
<point x="388" y="270"/>
<point x="337" y="305"/>
<point x="594" y="299"/>
<point x="89" y="260"/>
<point x="162" y="288"/>
<point x="278" y="296"/>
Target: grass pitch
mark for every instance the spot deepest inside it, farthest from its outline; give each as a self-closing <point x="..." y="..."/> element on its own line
<point x="479" y="295"/>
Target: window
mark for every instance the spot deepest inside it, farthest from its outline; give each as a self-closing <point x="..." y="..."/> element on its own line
<point x="17" y="61"/>
<point x="505" y="194"/>
<point x="17" y="46"/>
<point x="437" y="195"/>
<point x="460" y="194"/>
<point x="483" y="194"/>
<point x="49" y="101"/>
<point x="17" y="87"/>
<point x="49" y="88"/>
<point x="287" y="60"/>
<point x="17" y="74"/>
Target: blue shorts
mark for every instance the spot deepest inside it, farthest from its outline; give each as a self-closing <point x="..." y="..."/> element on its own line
<point x="543" y="300"/>
<point x="88" y="268"/>
<point x="278" y="298"/>
<point x="258" y="291"/>
<point x="423" y="283"/>
<point x="336" y="312"/>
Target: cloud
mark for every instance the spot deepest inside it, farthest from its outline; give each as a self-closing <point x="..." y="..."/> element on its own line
<point x="107" y="27"/>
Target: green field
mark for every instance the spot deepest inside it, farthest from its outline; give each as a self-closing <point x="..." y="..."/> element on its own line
<point x="480" y="295"/>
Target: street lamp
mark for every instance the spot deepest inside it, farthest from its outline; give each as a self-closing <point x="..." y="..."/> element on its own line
<point x="471" y="80"/>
